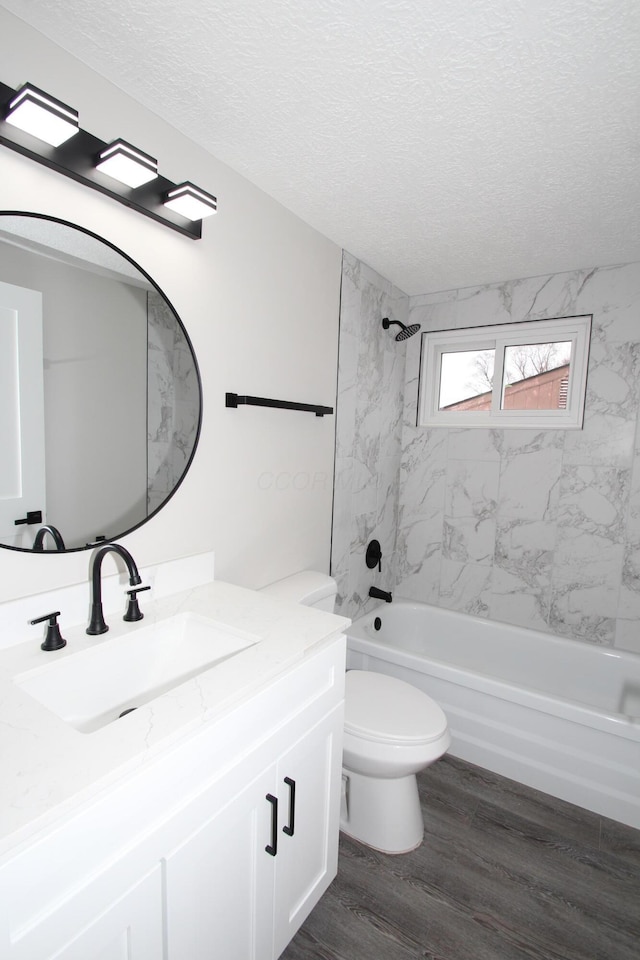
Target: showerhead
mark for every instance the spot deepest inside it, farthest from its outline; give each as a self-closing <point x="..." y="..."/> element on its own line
<point x="408" y="331"/>
<point x="405" y="333"/>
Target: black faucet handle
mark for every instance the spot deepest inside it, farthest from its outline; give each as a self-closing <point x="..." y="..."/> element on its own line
<point x="98" y="541"/>
<point x="53" y="639"/>
<point x="373" y="556"/>
<point x="133" y="608"/>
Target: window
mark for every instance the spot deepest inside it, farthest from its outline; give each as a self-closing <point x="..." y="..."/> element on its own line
<point x="530" y="374"/>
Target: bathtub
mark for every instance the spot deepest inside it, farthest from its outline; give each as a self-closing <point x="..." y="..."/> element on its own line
<point x="558" y="715"/>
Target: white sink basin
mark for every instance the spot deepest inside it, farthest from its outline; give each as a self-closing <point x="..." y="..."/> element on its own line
<point x="92" y="688"/>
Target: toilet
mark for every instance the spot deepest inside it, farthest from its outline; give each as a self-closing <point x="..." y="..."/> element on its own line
<point x="392" y="730"/>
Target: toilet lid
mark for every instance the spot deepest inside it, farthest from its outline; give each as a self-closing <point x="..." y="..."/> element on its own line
<point x="378" y="707"/>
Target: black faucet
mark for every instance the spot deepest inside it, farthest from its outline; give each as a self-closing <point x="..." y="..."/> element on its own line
<point x="378" y="594"/>
<point x="97" y="623"/>
<point x="38" y="543"/>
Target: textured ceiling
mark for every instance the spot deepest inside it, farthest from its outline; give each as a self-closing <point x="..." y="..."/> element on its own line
<point x="444" y="143"/>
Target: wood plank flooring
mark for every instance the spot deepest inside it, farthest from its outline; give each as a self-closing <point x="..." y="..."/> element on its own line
<point x="505" y="873"/>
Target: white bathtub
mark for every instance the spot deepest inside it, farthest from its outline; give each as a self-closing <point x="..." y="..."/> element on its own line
<point x="558" y="715"/>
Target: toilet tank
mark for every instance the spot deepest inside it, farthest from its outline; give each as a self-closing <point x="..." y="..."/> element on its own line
<point x="310" y="588"/>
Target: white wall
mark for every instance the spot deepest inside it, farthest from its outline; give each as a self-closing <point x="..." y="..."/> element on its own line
<point x="259" y="297"/>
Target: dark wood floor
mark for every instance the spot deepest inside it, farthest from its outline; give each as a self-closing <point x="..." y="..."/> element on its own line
<point x="505" y="873"/>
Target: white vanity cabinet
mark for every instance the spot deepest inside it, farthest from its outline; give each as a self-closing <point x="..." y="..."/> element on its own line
<point x="307" y="861"/>
<point x="171" y="864"/>
<point x="52" y="907"/>
<point x="90" y="926"/>
<point x="241" y="884"/>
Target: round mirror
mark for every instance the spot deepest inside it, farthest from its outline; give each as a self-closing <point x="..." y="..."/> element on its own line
<point x="100" y="393"/>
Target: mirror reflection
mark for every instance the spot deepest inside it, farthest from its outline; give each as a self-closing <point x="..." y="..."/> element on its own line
<point x="100" y="396"/>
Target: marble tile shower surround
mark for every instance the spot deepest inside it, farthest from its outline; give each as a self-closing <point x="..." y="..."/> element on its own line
<point x="536" y="528"/>
<point x="173" y="403"/>
<point x="371" y="373"/>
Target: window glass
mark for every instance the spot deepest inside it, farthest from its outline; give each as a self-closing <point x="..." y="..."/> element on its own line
<point x="536" y="376"/>
<point x="466" y="380"/>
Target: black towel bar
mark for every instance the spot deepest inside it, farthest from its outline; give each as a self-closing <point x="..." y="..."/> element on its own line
<point x="234" y="400"/>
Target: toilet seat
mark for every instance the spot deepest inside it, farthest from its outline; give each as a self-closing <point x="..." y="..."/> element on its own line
<point x="386" y="710"/>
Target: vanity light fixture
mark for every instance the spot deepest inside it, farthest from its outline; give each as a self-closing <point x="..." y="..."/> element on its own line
<point x="117" y="169"/>
<point x="127" y="164"/>
<point x="41" y="115"/>
<point x="190" y="201"/>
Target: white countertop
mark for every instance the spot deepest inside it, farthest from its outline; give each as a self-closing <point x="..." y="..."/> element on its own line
<point x="48" y="766"/>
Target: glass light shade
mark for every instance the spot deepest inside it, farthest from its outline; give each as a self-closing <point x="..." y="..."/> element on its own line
<point x="44" y="117"/>
<point x="127" y="164"/>
<point x="191" y="202"/>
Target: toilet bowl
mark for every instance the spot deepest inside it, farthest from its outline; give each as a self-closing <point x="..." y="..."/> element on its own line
<point x="392" y="731"/>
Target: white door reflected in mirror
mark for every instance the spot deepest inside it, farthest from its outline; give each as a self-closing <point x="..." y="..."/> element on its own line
<point x="22" y="465"/>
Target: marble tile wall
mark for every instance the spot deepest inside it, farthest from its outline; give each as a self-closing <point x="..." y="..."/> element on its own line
<point x="536" y="528"/>
<point x="371" y="373"/>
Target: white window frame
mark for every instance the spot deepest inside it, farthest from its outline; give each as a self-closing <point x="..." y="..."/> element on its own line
<point x="577" y="330"/>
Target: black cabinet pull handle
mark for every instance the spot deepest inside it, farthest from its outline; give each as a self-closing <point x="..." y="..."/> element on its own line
<point x="272" y="848"/>
<point x="292" y="807"/>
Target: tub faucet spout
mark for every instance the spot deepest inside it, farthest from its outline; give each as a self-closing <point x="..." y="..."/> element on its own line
<point x="97" y="623"/>
<point x="380" y="594"/>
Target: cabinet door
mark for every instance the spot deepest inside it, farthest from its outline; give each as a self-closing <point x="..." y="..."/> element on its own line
<point x="308" y="787"/>
<point x="129" y="928"/>
<point x="219" y="883"/>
